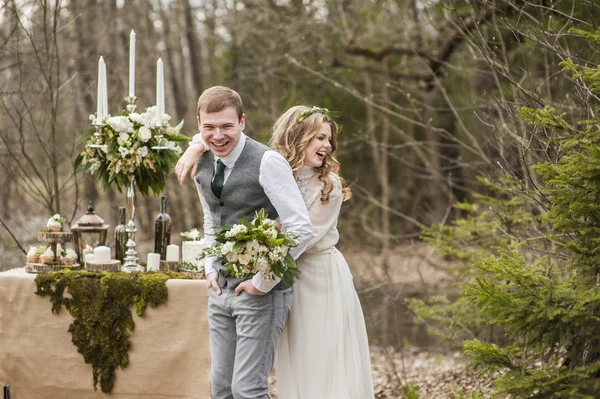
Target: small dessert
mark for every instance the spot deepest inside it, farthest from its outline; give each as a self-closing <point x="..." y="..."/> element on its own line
<point x="33" y="255"/>
<point x="55" y="223"/>
<point x="48" y="256"/>
<point x="69" y="258"/>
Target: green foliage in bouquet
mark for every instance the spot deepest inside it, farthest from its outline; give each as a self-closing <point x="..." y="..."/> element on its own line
<point x="100" y="304"/>
<point x="538" y="279"/>
<point x="128" y="145"/>
<point x="255" y="246"/>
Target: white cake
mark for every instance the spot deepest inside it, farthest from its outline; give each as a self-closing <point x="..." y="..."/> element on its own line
<point x="191" y="251"/>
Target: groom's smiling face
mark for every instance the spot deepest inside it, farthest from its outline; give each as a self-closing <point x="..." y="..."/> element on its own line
<point x="221" y="130"/>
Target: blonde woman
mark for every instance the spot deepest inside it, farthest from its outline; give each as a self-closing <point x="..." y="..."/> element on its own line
<point x="323" y="351"/>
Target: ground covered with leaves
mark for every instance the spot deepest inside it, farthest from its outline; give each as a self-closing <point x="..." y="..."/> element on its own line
<point x="417" y="374"/>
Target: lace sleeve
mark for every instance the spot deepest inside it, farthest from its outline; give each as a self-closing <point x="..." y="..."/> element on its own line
<point x="323" y="217"/>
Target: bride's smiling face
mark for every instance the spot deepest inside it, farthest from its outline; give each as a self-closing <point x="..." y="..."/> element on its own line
<point x="319" y="147"/>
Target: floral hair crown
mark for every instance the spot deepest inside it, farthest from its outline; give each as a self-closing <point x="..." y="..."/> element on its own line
<point x="313" y="110"/>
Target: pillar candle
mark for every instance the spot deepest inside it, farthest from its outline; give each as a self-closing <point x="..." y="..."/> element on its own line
<point x="153" y="262"/>
<point x="88" y="258"/>
<point x="132" y="64"/>
<point x="101" y="254"/>
<point x="172" y="253"/>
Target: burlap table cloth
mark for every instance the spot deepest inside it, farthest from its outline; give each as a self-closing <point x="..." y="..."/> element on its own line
<point x="169" y="357"/>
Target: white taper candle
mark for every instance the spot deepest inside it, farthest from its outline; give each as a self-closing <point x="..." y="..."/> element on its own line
<point x="100" y="97"/>
<point x="104" y="91"/>
<point x="132" y="64"/>
<point x="160" y="92"/>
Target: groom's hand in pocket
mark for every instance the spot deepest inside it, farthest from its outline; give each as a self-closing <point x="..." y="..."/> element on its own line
<point x="248" y="287"/>
<point x="212" y="278"/>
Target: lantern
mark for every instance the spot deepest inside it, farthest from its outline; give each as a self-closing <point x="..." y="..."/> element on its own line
<point x="88" y="232"/>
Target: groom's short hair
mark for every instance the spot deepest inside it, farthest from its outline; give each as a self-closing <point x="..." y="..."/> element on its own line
<point x="217" y="98"/>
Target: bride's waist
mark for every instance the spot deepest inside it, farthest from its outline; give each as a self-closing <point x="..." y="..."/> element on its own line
<point x="319" y="251"/>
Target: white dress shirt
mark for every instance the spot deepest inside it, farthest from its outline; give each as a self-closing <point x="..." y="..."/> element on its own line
<point x="277" y="180"/>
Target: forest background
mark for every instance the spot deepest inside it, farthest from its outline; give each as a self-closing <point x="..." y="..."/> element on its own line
<point x="428" y="93"/>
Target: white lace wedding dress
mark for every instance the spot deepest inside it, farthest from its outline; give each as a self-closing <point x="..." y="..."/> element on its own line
<point x="323" y="351"/>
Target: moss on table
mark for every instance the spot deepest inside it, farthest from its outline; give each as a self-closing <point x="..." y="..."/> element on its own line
<point x="100" y="304"/>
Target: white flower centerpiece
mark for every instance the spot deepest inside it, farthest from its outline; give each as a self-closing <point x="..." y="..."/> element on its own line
<point x="255" y="246"/>
<point x="132" y="143"/>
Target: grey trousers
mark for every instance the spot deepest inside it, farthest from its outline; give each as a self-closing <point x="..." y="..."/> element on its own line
<point x="244" y="334"/>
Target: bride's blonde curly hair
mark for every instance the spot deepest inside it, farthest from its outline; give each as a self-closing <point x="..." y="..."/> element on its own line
<point x="291" y="135"/>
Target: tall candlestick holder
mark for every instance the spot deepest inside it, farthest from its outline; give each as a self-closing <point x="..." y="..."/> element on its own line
<point x="130" y="262"/>
<point x="160" y="138"/>
<point x="131" y="103"/>
<point x="98" y="125"/>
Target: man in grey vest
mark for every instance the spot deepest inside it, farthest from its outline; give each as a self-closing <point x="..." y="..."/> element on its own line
<point x="238" y="177"/>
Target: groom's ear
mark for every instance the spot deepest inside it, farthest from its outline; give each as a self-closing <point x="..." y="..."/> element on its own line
<point x="242" y="121"/>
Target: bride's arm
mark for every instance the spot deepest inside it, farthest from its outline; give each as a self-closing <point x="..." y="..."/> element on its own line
<point x="189" y="160"/>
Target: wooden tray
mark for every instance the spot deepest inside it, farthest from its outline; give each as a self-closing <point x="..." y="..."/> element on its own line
<point x="109" y="266"/>
<point x="45" y="268"/>
<point x="55" y="236"/>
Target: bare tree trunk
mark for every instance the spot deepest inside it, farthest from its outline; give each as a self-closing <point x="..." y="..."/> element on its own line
<point x="85" y="48"/>
<point x="178" y="96"/>
<point x="194" y="45"/>
<point x="383" y="175"/>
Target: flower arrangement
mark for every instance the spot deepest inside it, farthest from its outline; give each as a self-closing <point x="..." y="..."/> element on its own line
<point x="192" y="235"/>
<point x="58" y="218"/>
<point x="255" y="246"/>
<point x="128" y="144"/>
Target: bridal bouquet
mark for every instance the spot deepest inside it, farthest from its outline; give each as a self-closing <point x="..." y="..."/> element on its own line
<point x="131" y="143"/>
<point x="255" y="246"/>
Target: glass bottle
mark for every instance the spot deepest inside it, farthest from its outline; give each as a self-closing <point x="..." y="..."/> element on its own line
<point x="162" y="229"/>
<point x="121" y="236"/>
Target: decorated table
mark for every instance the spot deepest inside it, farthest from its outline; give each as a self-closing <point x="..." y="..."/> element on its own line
<point x="169" y="354"/>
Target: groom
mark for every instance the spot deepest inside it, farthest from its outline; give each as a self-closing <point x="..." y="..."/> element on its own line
<point x="239" y="176"/>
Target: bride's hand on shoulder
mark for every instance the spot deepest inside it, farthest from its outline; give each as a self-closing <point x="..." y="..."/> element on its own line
<point x="188" y="162"/>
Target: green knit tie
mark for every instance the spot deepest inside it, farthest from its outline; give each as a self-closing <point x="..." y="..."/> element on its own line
<point x="217" y="183"/>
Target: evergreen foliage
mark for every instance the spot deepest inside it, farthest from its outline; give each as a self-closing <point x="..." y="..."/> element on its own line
<point x="530" y="260"/>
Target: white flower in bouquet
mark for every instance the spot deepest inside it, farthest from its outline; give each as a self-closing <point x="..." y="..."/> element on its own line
<point x="143" y="151"/>
<point x="274" y="256"/>
<point x="252" y="247"/>
<point x="236" y="230"/>
<point x="145" y="134"/>
<point x="232" y="257"/>
<point x="244" y="259"/>
<point x="134" y="116"/>
<point x="121" y="124"/>
<point x="271" y="233"/>
<point x="123" y="140"/>
<point x="124" y="152"/>
<point x="263" y="266"/>
<point x="227" y="247"/>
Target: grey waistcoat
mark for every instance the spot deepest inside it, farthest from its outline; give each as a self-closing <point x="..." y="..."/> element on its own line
<point x="242" y="194"/>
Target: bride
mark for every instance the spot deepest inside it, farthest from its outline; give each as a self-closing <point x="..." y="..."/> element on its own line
<point x="323" y="351"/>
